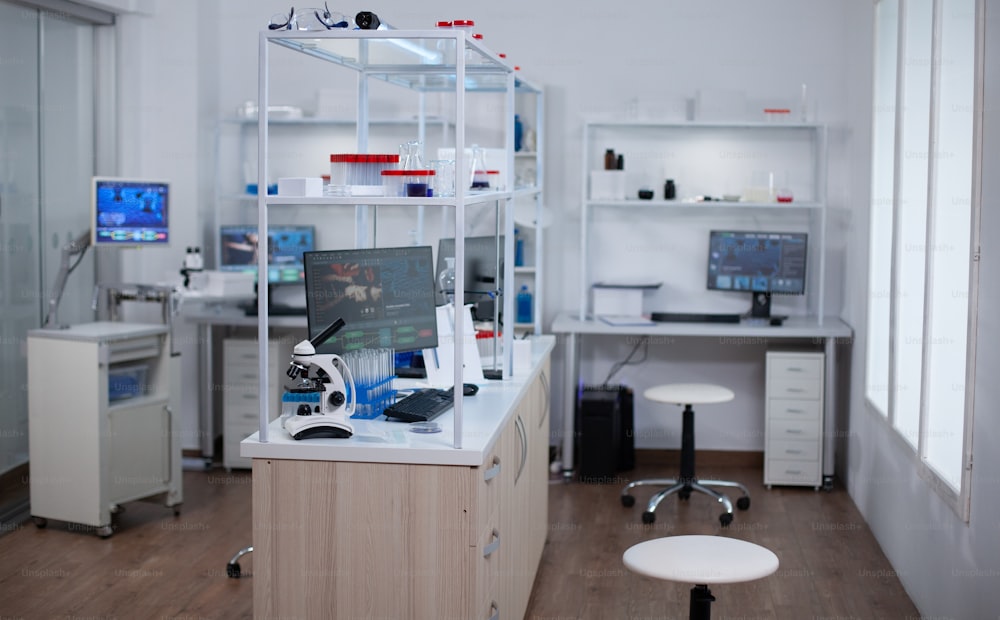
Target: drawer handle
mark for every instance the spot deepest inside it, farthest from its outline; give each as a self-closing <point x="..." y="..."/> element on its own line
<point x="793" y="472"/>
<point x="795" y="390"/>
<point x="250" y="396"/>
<point x="795" y="410"/>
<point x="494" y="611"/>
<point x="794" y="369"/>
<point x="493" y="546"/>
<point x="494" y="471"/>
<point x="793" y="431"/>
<point x="790" y="451"/>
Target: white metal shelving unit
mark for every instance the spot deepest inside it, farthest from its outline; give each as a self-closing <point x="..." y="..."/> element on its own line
<point x="709" y="153"/>
<point x="425" y="61"/>
<point x="533" y="195"/>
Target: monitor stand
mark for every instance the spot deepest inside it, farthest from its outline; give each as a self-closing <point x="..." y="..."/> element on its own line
<point x="760" y="306"/>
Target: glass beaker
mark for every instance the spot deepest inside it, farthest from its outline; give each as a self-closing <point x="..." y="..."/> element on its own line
<point x="410" y="157"/>
<point x="444" y="177"/>
<point x="446" y="281"/>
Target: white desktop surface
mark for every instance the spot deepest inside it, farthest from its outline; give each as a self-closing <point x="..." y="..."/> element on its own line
<point x="793" y="327"/>
<point x="381" y="441"/>
<point x="101" y="331"/>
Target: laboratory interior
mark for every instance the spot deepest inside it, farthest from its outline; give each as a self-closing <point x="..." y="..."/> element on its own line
<point x="717" y="269"/>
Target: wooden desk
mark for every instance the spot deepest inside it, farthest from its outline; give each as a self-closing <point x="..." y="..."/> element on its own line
<point x="394" y="524"/>
<point x="828" y="332"/>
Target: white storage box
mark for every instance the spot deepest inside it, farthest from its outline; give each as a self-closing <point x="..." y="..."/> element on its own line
<point x="300" y="186"/>
<point x="237" y="285"/>
<point x="607" y="185"/>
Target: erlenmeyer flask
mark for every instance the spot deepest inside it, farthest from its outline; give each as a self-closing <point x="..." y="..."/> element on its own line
<point x="478" y="179"/>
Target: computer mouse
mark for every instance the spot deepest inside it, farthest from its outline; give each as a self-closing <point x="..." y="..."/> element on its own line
<point x="469" y="389"/>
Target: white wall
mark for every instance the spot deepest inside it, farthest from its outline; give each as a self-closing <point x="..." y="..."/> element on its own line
<point x="949" y="568"/>
<point x="592" y="61"/>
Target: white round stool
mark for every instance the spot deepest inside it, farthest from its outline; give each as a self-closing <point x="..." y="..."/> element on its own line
<point x="700" y="560"/>
<point x="686" y="395"/>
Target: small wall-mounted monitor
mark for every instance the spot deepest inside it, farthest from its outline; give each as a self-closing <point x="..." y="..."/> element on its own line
<point x="129" y="212"/>
<point x="761" y="263"/>
<point x="384" y="295"/>
<point x="238" y="251"/>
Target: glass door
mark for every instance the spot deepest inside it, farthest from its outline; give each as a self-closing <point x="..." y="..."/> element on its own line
<point x="46" y="161"/>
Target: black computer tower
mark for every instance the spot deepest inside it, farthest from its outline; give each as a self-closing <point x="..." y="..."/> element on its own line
<point x="605" y="433"/>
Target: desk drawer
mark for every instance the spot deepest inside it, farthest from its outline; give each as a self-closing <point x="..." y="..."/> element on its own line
<point x="794" y="366"/>
<point x="791" y="450"/>
<point x="810" y="389"/>
<point x="794" y="430"/>
<point x="789" y="409"/>
<point x="781" y="471"/>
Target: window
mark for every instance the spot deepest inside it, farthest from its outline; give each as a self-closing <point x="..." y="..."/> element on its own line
<point x="924" y="200"/>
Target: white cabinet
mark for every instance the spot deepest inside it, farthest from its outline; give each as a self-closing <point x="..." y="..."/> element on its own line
<point x="241" y="384"/>
<point x="793" y="426"/>
<point x="101" y="432"/>
<point x="727" y="176"/>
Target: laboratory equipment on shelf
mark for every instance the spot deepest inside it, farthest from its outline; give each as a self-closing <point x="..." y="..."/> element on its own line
<point x="324" y="409"/>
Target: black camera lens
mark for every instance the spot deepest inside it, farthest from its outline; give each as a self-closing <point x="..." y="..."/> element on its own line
<point x="366" y="20"/>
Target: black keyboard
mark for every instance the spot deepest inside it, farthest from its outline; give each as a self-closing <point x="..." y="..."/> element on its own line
<point x="422" y="406"/>
<point x="689" y="317"/>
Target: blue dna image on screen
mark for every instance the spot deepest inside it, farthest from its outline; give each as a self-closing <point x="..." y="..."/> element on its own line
<point x="130" y="212"/>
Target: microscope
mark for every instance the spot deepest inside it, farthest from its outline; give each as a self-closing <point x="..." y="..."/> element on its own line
<point x="319" y="398"/>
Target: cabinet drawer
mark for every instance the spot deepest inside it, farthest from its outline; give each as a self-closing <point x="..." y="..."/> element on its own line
<point x="794" y="366"/>
<point x="811" y="389"/>
<point x="788" y="409"/>
<point x="781" y="471"/>
<point x="796" y="430"/>
<point x="793" y="450"/>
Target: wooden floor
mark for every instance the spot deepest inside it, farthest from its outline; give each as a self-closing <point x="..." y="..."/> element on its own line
<point x="158" y="566"/>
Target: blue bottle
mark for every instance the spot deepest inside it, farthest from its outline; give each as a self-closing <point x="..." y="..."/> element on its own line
<point x="518" y="132"/>
<point x="524" y="305"/>
<point x="518" y="248"/>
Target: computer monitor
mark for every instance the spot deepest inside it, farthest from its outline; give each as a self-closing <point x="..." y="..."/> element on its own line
<point x="129" y="212"/>
<point x="761" y="263"/>
<point x="385" y="296"/>
<point x="285" y="247"/>
<point x="481" y="279"/>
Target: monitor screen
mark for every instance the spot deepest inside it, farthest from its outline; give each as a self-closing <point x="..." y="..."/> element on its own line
<point x="285" y="247"/>
<point x="384" y="295"/>
<point x="480" y="266"/>
<point x="129" y="212"/>
<point x="758" y="262"/>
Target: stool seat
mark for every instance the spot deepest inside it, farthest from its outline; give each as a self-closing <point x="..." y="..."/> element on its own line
<point x="689" y="394"/>
<point x="701" y="559"/>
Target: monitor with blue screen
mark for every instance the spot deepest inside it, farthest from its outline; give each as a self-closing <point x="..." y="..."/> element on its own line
<point x="384" y="295"/>
<point x="285" y="246"/>
<point x="129" y="212"/>
<point x="761" y="263"/>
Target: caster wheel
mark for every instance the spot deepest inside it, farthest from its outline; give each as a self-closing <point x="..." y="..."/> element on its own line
<point x="40" y="522"/>
<point x="233" y="570"/>
<point x="648" y="517"/>
<point x="104" y="531"/>
<point x="685" y="495"/>
<point x="725" y="519"/>
<point x="177" y="510"/>
<point x="743" y="503"/>
<point x="628" y="501"/>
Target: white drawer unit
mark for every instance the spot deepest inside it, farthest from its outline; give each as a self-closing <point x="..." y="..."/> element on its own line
<point x="241" y="382"/>
<point x="793" y="422"/>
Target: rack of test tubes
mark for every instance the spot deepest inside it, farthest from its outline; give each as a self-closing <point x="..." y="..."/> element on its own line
<point x="359" y="174"/>
<point x="373" y="371"/>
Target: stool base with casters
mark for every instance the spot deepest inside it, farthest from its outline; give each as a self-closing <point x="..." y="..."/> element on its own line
<point x="233" y="567"/>
<point x="683" y="485"/>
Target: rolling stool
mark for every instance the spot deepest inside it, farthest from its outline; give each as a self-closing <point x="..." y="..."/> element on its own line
<point x="700" y="560"/>
<point x="687" y="394"/>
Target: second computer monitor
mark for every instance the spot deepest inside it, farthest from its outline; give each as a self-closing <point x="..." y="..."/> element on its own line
<point x="481" y="268"/>
<point x="385" y="296"/>
<point x="762" y="263"/>
<point x="238" y="250"/>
